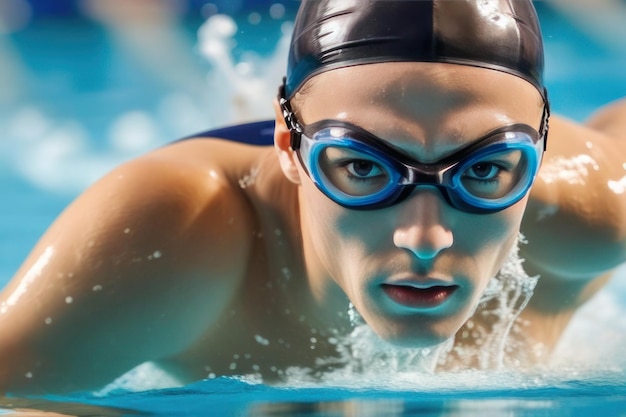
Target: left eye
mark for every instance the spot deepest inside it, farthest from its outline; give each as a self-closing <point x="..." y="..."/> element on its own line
<point x="363" y="169"/>
<point x="483" y="171"/>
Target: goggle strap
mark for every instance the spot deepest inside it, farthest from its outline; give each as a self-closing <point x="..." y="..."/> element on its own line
<point x="295" y="129"/>
<point x="543" y="129"/>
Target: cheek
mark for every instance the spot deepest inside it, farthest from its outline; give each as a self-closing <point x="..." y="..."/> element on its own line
<point x="342" y="240"/>
<point x="489" y="239"/>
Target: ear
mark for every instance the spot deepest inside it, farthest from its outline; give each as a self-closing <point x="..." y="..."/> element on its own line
<point x="282" y="144"/>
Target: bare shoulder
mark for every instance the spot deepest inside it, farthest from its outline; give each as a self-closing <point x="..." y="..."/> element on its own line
<point x="147" y="257"/>
<point x="575" y="222"/>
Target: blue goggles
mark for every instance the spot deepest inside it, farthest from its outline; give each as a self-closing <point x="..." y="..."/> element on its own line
<point x="358" y="170"/>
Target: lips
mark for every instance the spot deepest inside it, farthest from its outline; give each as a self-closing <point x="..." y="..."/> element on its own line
<point x="424" y="297"/>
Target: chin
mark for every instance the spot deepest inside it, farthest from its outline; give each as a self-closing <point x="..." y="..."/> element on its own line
<point x="414" y="335"/>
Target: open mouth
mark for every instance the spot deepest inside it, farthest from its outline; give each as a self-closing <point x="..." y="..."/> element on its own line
<point x="419" y="298"/>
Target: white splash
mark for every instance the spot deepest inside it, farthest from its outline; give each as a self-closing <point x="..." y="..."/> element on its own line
<point x="249" y="180"/>
<point x="250" y="84"/>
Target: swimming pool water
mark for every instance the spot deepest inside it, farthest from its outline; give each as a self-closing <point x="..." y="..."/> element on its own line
<point x="81" y="97"/>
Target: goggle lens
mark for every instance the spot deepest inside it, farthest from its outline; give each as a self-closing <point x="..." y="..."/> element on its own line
<point x="361" y="176"/>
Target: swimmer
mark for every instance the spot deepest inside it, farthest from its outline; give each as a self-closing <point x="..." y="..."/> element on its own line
<point x="412" y="145"/>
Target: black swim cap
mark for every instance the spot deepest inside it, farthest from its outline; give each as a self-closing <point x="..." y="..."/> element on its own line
<point x="503" y="35"/>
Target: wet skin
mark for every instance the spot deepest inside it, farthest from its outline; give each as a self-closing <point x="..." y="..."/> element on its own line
<point x="422" y="242"/>
<point x="185" y="267"/>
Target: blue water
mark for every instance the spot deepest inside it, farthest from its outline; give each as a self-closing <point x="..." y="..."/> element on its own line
<point x="80" y="97"/>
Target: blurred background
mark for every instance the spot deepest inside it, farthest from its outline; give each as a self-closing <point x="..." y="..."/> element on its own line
<point x="88" y="84"/>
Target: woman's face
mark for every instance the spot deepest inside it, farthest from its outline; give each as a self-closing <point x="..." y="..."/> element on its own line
<point x="415" y="271"/>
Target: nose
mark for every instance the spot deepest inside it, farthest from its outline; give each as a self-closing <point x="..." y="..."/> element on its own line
<point x="420" y="227"/>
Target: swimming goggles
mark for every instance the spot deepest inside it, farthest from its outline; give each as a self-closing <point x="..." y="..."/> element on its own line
<point x="358" y="170"/>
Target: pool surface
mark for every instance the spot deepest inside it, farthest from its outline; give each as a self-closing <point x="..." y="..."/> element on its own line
<point x="83" y="91"/>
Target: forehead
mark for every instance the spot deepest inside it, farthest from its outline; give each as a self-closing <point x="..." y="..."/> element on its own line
<point x="426" y="109"/>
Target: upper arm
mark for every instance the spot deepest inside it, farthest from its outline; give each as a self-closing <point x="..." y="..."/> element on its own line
<point x="135" y="269"/>
<point x="575" y="222"/>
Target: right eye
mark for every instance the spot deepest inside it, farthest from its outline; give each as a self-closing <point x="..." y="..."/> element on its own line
<point x="363" y="169"/>
<point x="353" y="172"/>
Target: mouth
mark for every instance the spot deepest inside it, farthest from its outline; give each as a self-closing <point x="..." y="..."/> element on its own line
<point x="419" y="297"/>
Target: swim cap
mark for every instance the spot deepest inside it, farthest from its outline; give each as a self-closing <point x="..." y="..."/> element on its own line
<point x="502" y="35"/>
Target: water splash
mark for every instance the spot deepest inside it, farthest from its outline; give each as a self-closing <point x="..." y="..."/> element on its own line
<point x="481" y="344"/>
<point x="250" y="83"/>
<point x="505" y="297"/>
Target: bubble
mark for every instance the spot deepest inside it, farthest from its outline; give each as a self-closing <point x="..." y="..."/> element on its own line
<point x="208" y="10"/>
<point x="14" y="15"/>
<point x="48" y="320"/>
<point x="277" y="11"/>
<point x="134" y="131"/>
<point x="69" y="300"/>
<point x="254" y="18"/>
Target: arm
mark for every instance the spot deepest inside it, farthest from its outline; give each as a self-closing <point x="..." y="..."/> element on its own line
<point x="576" y="217"/>
<point x="134" y="270"/>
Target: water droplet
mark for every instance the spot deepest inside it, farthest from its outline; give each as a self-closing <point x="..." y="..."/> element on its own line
<point x="127" y="230"/>
<point x="249" y="179"/>
<point x="233" y="366"/>
<point x="96" y="288"/>
<point x="286" y="273"/>
<point x="69" y="300"/>
<point x="29" y="375"/>
<point x="48" y="320"/>
<point x="157" y="254"/>
<point x="261" y="340"/>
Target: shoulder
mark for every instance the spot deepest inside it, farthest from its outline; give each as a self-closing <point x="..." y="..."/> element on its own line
<point x="161" y="240"/>
<point x="575" y="221"/>
<point x="186" y="195"/>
